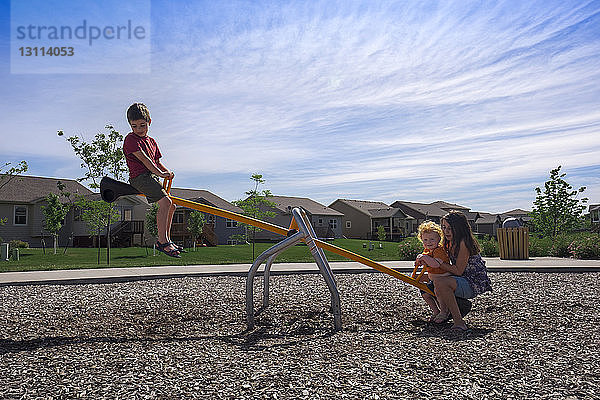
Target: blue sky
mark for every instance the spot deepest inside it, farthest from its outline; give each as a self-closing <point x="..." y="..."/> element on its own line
<point x="464" y="101"/>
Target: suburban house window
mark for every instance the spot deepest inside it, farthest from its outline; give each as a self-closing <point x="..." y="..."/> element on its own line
<point x="333" y="223"/>
<point x="348" y="224"/>
<point x="320" y="221"/>
<point x="210" y="219"/>
<point x="127" y="214"/>
<point x="178" y="218"/>
<point x="20" y="215"/>
<point x="231" y="223"/>
<point x="231" y="242"/>
<point x="595" y="216"/>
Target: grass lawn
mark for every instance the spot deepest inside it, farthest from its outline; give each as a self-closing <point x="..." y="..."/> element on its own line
<point x="76" y="258"/>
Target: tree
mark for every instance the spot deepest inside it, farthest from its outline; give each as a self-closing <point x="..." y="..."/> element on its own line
<point x="381" y="233"/>
<point x="256" y="205"/>
<point x="151" y="220"/>
<point x="97" y="214"/>
<point x="12" y="172"/>
<point x="9" y="175"/>
<point x="103" y="156"/>
<point x="556" y="209"/>
<point x="195" y="225"/>
<point x="54" y="216"/>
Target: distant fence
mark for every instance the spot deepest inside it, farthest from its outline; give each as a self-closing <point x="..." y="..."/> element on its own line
<point x="513" y="243"/>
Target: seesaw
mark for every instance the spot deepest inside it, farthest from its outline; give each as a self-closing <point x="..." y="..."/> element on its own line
<point x="300" y="230"/>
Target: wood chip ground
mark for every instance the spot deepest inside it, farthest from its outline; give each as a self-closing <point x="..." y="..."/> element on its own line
<point x="537" y="336"/>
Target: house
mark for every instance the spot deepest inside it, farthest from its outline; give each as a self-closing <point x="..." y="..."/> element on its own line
<point x="21" y="202"/>
<point x="361" y="219"/>
<point x="521" y="215"/>
<point x="129" y="230"/>
<point x="434" y="212"/>
<point x="326" y="221"/>
<point x="216" y="230"/>
<point x="594" y="210"/>
<point x="488" y="223"/>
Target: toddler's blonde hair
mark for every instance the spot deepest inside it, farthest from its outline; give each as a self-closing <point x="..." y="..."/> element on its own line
<point x="429" y="227"/>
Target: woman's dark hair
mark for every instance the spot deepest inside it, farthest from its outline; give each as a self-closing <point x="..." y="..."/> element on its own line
<point x="461" y="231"/>
<point x="138" y="111"/>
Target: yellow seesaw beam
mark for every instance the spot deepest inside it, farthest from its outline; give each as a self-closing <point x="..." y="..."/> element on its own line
<point x="231" y="215"/>
<point x="282" y="231"/>
<point x="370" y="263"/>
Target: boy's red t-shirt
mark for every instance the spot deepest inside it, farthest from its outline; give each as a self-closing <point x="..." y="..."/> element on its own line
<point x="133" y="143"/>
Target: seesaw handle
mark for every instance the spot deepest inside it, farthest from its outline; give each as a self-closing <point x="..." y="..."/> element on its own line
<point x="166" y="186"/>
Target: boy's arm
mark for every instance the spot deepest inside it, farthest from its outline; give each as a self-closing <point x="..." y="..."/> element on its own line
<point x="162" y="166"/>
<point x="148" y="163"/>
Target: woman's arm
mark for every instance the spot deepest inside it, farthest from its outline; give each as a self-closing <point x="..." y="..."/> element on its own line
<point x="429" y="261"/>
<point x="461" y="261"/>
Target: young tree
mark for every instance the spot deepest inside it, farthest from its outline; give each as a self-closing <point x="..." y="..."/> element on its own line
<point x="97" y="214"/>
<point x="151" y="220"/>
<point x="381" y="233"/>
<point x="256" y="205"/>
<point x="556" y="209"/>
<point x="12" y="172"/>
<point x="54" y="216"/>
<point x="103" y="156"/>
<point x="195" y="225"/>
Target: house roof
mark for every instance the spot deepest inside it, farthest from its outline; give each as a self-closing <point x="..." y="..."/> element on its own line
<point x="593" y="207"/>
<point x="363" y="205"/>
<point x="374" y="209"/>
<point x="283" y="202"/>
<point x="30" y="189"/>
<point x="444" y="205"/>
<point x="204" y="196"/>
<point x="431" y="210"/>
<point x="388" y="212"/>
<point x="486" y="218"/>
<point x="516" y="213"/>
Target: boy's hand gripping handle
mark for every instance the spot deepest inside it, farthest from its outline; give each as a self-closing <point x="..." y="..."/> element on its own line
<point x="167" y="187"/>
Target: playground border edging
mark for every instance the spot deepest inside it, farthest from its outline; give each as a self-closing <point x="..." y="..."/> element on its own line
<point x="121" y="275"/>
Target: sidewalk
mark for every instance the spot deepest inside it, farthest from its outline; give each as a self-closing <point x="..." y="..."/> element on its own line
<point x="111" y="275"/>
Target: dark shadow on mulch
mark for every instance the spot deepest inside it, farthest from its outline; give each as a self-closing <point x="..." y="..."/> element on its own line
<point x="443" y="331"/>
<point x="298" y="327"/>
<point x="17" y="346"/>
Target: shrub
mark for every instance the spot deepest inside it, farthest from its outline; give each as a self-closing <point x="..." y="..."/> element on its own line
<point x="18" y="244"/>
<point x="586" y="247"/>
<point x="560" y="246"/>
<point x="539" y="246"/>
<point x="489" y="246"/>
<point x="410" y="248"/>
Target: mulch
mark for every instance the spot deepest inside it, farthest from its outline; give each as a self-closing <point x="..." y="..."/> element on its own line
<point x="537" y="336"/>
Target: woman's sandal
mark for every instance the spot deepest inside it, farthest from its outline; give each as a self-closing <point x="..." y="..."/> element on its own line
<point x="460" y="329"/>
<point x="442" y="318"/>
<point x="171" y="253"/>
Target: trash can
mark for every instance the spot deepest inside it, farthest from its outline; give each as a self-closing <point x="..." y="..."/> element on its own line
<point x="513" y="243"/>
